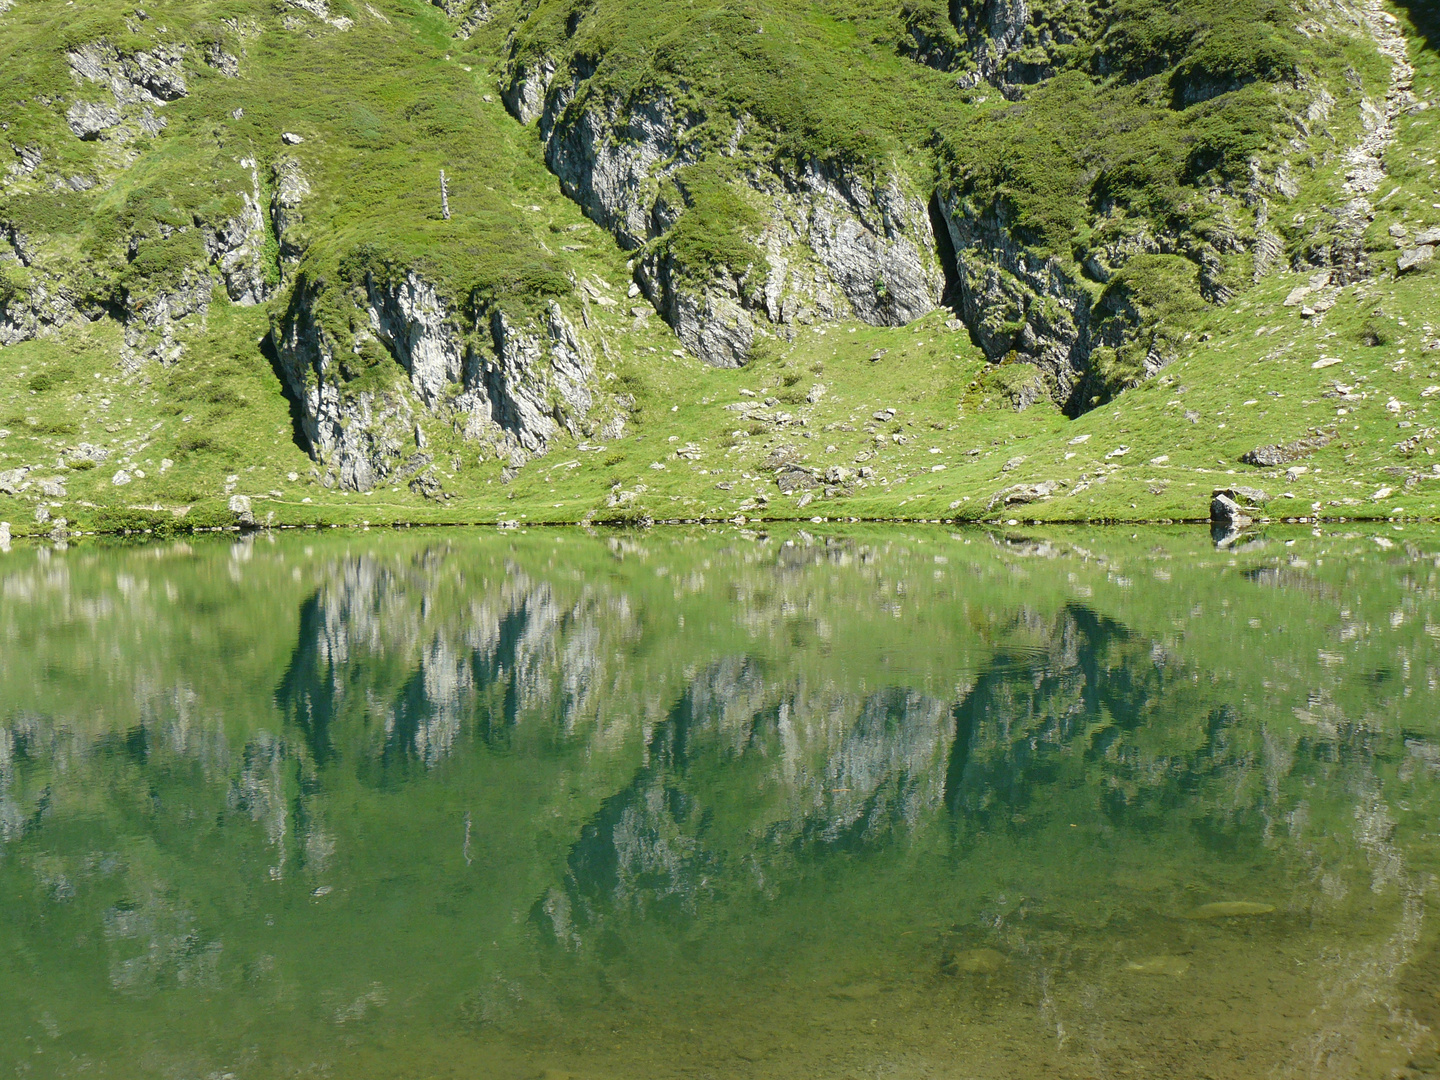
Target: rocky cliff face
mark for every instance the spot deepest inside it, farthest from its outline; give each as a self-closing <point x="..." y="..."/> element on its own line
<point x="139" y="84"/>
<point x="237" y="247"/>
<point x="43" y="289"/>
<point x="828" y="239"/>
<point x="508" y="383"/>
<point x="832" y="240"/>
<point x="1035" y="308"/>
<point x="1061" y="303"/>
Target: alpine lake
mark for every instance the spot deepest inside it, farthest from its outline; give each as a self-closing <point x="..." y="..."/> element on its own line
<point x="821" y="802"/>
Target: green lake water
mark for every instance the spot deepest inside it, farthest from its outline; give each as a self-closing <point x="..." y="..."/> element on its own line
<point x="877" y="803"/>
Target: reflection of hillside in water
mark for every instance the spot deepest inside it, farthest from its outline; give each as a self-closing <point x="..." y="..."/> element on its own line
<point x="372" y="649"/>
<point x="1072" y="713"/>
<point x="398" y="664"/>
<point x="820" y="768"/>
<point x="709" y="740"/>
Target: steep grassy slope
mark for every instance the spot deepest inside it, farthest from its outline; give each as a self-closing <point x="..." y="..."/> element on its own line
<point x="1060" y="261"/>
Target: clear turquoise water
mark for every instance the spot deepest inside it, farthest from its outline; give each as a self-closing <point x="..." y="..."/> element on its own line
<point x="868" y="804"/>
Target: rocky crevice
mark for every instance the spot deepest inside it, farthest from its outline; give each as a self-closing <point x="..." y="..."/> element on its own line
<point x="1022" y="303"/>
<point x="1343" y="250"/>
<point x="1030" y="307"/>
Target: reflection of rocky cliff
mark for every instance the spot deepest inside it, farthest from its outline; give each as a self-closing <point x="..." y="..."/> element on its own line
<point x="826" y="768"/>
<point x="1090" y="683"/>
<point x="1076" y="711"/>
<point x="752" y="765"/>
<point x="373" y="649"/>
<point x="1098" y="709"/>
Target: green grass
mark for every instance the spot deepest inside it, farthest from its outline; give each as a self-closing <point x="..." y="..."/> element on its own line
<point x="383" y="107"/>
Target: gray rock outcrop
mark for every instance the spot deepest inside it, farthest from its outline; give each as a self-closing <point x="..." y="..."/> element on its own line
<point x="152" y="320"/>
<point x="831" y="241"/>
<point x="508" y="382"/>
<point x="1019" y="305"/>
<point x="1029" y="305"/>
<point x="34" y="310"/>
<point x="1236" y="506"/>
<point x="1226" y="511"/>
<point x="237" y="248"/>
<point x="290" y="189"/>
<point x="1284" y="453"/>
<point x="1414" y="257"/>
<point x="241" y="511"/>
<point x="139" y="83"/>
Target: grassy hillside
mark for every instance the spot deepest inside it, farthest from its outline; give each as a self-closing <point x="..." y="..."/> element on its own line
<point x="1144" y="190"/>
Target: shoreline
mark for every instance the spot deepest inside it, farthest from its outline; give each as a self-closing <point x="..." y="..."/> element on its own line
<point x="13" y="534"/>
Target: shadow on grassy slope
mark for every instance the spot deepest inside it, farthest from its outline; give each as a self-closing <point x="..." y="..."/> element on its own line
<point x="1426" y="17"/>
<point x="297" y="408"/>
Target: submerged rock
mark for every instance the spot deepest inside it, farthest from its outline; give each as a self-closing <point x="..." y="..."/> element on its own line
<point x="1226" y="511"/>
<point x="1159" y="965"/>
<point x="1230" y="909"/>
<point x="1236" y="505"/>
<point x="974" y="962"/>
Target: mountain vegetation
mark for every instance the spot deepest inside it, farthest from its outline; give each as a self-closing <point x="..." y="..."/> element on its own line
<point x="1057" y="259"/>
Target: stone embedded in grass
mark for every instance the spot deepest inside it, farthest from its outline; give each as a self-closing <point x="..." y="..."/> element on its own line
<point x="12" y="481"/>
<point x="1023" y="493"/>
<point x="1417" y="256"/>
<point x="240" y="509"/>
<point x="1283" y="453"/>
<point x="86" y="454"/>
<point x="792" y="478"/>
